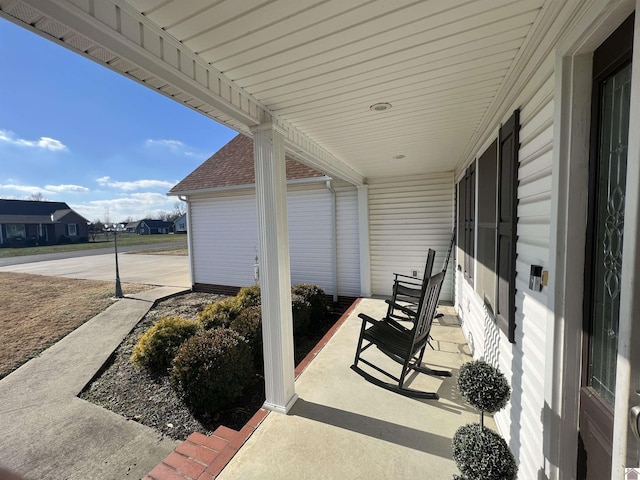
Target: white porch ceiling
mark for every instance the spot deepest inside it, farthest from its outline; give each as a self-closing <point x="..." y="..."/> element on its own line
<point x="315" y="67"/>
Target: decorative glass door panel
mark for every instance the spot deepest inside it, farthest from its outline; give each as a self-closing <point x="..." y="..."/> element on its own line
<point x="608" y="232"/>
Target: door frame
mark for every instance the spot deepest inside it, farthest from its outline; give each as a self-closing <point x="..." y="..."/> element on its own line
<point x="570" y="179"/>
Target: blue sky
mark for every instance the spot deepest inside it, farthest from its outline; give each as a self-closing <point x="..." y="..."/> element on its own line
<point x="79" y="133"/>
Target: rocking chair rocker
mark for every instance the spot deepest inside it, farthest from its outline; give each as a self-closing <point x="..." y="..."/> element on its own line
<point x="404" y="346"/>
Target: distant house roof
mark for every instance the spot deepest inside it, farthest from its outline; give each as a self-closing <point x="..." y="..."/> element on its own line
<point x="177" y="220"/>
<point x="33" y="211"/>
<point x="232" y="165"/>
<point x="156" y="223"/>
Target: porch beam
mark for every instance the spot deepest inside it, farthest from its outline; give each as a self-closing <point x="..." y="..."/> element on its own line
<point x="275" y="271"/>
<point x="117" y="36"/>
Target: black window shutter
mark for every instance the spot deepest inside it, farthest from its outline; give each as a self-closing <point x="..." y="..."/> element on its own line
<point x="462" y="217"/>
<point x="470" y="213"/>
<point x="507" y="222"/>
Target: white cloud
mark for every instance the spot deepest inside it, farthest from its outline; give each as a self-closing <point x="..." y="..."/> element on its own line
<point x="172" y="144"/>
<point x="135" y="205"/>
<point x="14" y="189"/>
<point x="175" y="146"/>
<point x="134" y="185"/>
<point x="25" y="189"/>
<point x="66" y="188"/>
<point x="44" y="143"/>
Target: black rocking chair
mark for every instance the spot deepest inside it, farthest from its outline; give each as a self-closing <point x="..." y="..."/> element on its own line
<point x="408" y="310"/>
<point x="408" y="290"/>
<point x="404" y="346"/>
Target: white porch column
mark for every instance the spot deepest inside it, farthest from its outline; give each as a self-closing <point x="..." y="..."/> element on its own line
<point x="363" y="235"/>
<point x="275" y="272"/>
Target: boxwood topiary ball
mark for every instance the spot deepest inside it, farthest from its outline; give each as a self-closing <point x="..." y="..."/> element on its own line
<point x="483" y="386"/>
<point x="480" y="453"/>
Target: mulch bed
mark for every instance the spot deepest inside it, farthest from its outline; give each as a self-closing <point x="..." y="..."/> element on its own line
<point x="147" y="397"/>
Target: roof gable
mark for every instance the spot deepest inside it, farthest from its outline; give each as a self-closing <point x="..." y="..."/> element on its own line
<point x="232" y="166"/>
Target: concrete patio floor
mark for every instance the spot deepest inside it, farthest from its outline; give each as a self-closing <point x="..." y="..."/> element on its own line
<point x="344" y="427"/>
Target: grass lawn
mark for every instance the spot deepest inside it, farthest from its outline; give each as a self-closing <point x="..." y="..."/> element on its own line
<point x="123" y="240"/>
<point x="39" y="310"/>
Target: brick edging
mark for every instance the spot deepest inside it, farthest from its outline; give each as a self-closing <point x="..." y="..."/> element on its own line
<point x="202" y="457"/>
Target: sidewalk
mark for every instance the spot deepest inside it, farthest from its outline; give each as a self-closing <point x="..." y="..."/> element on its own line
<point x="49" y="433"/>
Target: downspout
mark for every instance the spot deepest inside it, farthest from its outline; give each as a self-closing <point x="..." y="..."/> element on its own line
<point x="334" y="234"/>
<point x="185" y="199"/>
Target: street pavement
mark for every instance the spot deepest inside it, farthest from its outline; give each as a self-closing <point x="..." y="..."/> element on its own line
<point x="85" y="253"/>
<point x="165" y="270"/>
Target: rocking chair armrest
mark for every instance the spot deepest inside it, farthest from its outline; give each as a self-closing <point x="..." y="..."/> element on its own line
<point x="402" y="308"/>
<point x="367" y="319"/>
<point x="406" y="284"/>
<point x="407" y="276"/>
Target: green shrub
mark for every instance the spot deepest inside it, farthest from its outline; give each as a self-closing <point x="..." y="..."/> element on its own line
<point x="211" y="369"/>
<point x="480" y="453"/>
<point x="158" y="345"/>
<point x="301" y="310"/>
<point x="249" y="296"/>
<point x="483" y="386"/>
<point x="219" y="314"/>
<point x="248" y="323"/>
<point x="316" y="298"/>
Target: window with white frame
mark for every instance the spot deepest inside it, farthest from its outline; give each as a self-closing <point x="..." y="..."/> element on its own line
<point x="16" y="230"/>
<point x="72" y="229"/>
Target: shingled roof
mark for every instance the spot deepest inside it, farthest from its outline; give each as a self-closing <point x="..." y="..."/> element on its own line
<point x="33" y="211"/>
<point x="232" y="166"/>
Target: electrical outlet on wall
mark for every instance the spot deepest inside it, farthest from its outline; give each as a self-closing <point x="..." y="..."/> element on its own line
<point x="414" y="273"/>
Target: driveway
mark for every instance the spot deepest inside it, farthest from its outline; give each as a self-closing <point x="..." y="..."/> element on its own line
<point x="165" y="270"/>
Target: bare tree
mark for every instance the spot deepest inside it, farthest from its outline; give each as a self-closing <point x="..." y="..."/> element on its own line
<point x="37" y="197"/>
<point x="106" y="215"/>
<point x="179" y="208"/>
<point x="96" y="227"/>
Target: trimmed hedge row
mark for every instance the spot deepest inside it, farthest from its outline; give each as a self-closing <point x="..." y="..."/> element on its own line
<point x="210" y="361"/>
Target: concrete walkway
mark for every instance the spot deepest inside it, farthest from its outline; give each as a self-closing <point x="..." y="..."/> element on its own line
<point x="49" y="433"/>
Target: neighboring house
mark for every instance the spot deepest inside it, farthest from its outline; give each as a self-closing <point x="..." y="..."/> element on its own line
<point x="223" y="235"/>
<point x="132" y="227"/>
<point x="180" y="224"/>
<point x="148" y="226"/>
<point x="516" y="121"/>
<point x="30" y="222"/>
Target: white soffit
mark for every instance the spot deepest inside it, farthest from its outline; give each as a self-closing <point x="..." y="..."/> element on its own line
<point x="318" y="65"/>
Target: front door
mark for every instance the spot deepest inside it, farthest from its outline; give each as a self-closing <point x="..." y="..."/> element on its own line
<point x="603" y="263"/>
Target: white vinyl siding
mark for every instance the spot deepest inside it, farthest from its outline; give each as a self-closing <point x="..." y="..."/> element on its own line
<point x="407" y="217"/>
<point x="311" y="237"/>
<point x="348" y="240"/>
<point x="225" y="238"/>
<point x="523" y="362"/>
